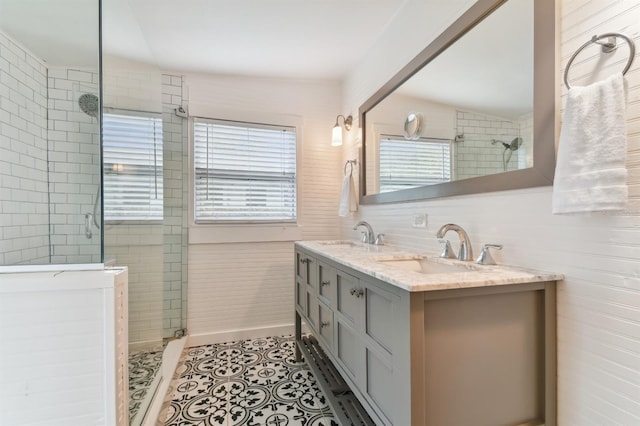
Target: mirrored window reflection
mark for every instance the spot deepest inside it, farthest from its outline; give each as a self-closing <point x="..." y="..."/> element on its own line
<point x="407" y="163"/>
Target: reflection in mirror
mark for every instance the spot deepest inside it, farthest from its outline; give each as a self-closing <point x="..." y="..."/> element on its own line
<point x="49" y="132"/>
<point x="475" y="101"/>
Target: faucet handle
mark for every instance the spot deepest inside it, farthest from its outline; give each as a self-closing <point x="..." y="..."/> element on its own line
<point x="447" y="252"/>
<point x="379" y="240"/>
<point x="365" y="236"/>
<point x="485" y="257"/>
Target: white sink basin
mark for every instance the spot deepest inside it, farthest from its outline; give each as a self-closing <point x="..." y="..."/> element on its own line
<point x="425" y="266"/>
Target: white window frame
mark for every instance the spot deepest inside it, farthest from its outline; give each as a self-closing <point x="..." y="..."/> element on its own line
<point x="142" y="114"/>
<point x="220" y="233"/>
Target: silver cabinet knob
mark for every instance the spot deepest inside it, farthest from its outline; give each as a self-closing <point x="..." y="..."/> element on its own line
<point x="325" y="283"/>
<point x="324" y="324"/>
<point x="357" y="292"/>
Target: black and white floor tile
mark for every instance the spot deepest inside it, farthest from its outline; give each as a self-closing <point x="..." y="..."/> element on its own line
<point x="248" y="382"/>
<point x="143" y="367"/>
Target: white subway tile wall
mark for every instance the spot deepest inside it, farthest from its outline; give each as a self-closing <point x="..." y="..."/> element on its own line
<point x="476" y="156"/>
<point x="598" y="302"/>
<point x="74" y="167"/>
<point x="176" y="199"/>
<point x="139" y="248"/>
<point x="24" y="197"/>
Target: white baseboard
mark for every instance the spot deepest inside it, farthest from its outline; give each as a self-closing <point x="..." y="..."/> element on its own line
<point x="233" y="335"/>
<point x="170" y="359"/>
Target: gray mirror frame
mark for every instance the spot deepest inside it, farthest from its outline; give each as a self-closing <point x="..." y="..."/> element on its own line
<point x="544" y="107"/>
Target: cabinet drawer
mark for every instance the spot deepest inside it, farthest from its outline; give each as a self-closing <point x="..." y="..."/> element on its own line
<point x="327" y="284"/>
<point x="325" y="325"/>
<point x="350" y="296"/>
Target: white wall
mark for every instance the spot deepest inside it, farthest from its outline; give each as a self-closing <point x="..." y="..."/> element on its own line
<point x="599" y="301"/>
<point x="58" y="359"/>
<point x="249" y="286"/>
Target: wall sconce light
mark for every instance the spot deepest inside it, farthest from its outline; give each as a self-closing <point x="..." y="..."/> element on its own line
<point x="336" y="136"/>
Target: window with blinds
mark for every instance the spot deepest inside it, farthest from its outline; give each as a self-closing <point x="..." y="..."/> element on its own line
<point x="244" y="172"/>
<point x="132" y="157"/>
<point x="407" y="164"/>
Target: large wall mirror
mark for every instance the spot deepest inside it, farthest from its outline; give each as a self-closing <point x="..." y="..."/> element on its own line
<point x="473" y="112"/>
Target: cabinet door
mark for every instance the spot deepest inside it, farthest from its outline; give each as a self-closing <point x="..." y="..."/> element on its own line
<point x="349" y="324"/>
<point x="312" y="310"/>
<point x="350" y="351"/>
<point x="325" y="325"/>
<point x="306" y="269"/>
<point x="350" y="299"/>
<point x="327" y="284"/>
<point x="300" y="296"/>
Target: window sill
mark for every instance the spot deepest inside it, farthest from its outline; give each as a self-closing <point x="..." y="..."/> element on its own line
<point x="243" y="233"/>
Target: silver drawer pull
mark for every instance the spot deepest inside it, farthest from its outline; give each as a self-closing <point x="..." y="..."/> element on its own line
<point x="325" y="283"/>
<point x="357" y="292"/>
<point x="305" y="260"/>
<point x="324" y="324"/>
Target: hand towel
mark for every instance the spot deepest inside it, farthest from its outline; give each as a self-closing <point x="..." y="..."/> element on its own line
<point x="348" y="200"/>
<point x="590" y="171"/>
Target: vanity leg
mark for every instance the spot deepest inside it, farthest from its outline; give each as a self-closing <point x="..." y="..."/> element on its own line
<point x="298" y="333"/>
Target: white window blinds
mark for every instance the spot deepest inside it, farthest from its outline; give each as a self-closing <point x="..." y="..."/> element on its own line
<point x="244" y="172"/>
<point x="410" y="163"/>
<point x="132" y="157"/>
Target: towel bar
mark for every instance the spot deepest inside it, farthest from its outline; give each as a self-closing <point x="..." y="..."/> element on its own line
<point x="349" y="163"/>
<point x="607" y="47"/>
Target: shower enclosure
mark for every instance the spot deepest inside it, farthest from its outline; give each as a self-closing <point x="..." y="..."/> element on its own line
<point x="92" y="165"/>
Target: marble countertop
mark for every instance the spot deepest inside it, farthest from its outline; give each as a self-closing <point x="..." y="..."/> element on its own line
<point x="399" y="267"/>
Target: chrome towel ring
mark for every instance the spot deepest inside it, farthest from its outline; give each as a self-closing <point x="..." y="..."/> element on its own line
<point x="607" y="47"/>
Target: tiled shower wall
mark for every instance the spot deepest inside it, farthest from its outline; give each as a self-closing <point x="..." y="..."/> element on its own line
<point x="51" y="169"/>
<point x="24" y="190"/>
<point x="476" y="156"/>
<point x="74" y="167"/>
<point x="176" y="199"/>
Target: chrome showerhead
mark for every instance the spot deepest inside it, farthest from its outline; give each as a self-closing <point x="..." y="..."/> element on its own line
<point x="89" y="104"/>
<point x="515" y="144"/>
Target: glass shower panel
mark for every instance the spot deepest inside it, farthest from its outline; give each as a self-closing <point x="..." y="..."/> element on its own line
<point x="49" y="132"/>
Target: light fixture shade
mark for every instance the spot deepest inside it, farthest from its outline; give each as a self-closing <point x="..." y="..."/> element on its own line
<point x="336" y="136"/>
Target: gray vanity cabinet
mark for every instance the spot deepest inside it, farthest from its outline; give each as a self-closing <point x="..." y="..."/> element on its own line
<point x="480" y="355"/>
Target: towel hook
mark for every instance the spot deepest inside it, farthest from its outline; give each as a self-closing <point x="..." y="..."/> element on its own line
<point x="607" y="47"/>
<point x="349" y="163"/>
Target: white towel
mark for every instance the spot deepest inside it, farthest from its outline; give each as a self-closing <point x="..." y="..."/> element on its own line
<point x="590" y="171"/>
<point x="348" y="199"/>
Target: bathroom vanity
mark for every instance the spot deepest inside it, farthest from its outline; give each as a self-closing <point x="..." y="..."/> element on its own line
<point x="421" y="340"/>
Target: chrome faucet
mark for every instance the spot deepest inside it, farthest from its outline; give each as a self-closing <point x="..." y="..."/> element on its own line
<point x="465" y="252"/>
<point x="369" y="235"/>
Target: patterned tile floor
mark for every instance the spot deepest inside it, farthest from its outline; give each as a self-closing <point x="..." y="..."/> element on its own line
<point x="248" y="382"/>
<point x="143" y="366"/>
